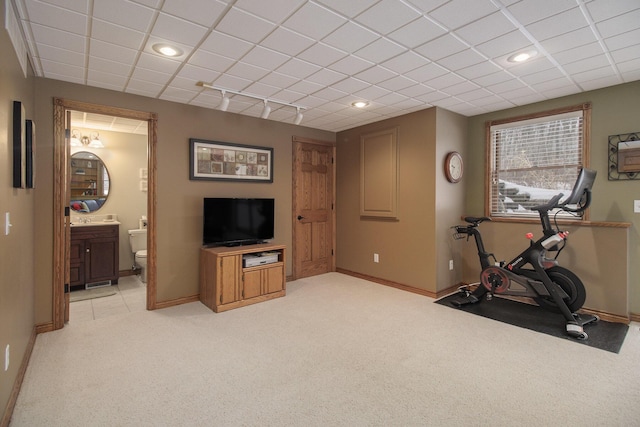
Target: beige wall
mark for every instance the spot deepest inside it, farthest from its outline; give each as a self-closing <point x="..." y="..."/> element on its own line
<point x="615" y="110"/>
<point x="16" y="249"/>
<point x="179" y="200"/>
<point x="411" y="248"/>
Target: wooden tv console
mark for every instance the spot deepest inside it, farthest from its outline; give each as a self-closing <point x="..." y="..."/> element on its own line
<point x="225" y="283"/>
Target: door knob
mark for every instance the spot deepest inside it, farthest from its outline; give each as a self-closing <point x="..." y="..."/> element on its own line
<point x="300" y="217"/>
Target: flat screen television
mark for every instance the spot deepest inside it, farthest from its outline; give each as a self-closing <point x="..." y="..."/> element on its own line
<point x="232" y="222"/>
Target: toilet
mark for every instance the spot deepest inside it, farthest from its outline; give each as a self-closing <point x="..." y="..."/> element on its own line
<point x="138" y="241"/>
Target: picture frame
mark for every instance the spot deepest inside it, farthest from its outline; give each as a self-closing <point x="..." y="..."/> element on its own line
<point x="19" y="145"/>
<point x="215" y="160"/>
<point x="30" y="152"/>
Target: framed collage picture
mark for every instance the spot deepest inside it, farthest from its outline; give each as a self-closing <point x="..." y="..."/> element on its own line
<point x="213" y="160"/>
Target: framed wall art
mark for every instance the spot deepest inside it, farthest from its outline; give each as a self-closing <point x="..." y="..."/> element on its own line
<point x="30" y="153"/>
<point x="213" y="160"/>
<point x="19" y="145"/>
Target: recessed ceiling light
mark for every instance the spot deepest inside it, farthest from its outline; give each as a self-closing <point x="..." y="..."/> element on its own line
<point x="166" y="50"/>
<point x="522" y="56"/>
<point x="360" y="104"/>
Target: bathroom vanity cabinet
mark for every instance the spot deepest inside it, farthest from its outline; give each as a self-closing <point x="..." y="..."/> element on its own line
<point x="94" y="254"/>
<point x="226" y="282"/>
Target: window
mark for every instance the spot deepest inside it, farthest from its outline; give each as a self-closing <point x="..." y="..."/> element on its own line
<point x="533" y="158"/>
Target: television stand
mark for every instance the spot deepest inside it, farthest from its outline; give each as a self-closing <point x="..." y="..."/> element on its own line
<point x="225" y="283"/>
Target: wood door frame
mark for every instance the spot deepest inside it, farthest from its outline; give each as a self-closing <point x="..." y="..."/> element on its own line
<point x="61" y="229"/>
<point x="294" y="201"/>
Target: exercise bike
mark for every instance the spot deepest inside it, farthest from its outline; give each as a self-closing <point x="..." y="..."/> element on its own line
<point x="533" y="273"/>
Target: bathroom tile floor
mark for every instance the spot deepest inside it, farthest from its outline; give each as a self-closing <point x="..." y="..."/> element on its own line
<point x="131" y="296"/>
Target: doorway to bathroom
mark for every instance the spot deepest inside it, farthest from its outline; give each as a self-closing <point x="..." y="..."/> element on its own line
<point x="72" y="120"/>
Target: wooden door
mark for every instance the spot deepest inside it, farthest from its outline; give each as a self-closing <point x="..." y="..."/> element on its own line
<point x="313" y="208"/>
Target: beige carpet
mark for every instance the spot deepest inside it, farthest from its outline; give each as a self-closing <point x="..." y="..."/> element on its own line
<point x="336" y="351"/>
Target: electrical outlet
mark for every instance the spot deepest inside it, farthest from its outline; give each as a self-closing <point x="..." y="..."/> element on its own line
<point x="450" y="264"/>
<point x="6" y="358"/>
<point x="376" y="258"/>
<point x="636" y="206"/>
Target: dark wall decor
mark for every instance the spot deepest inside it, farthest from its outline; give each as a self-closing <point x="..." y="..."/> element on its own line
<point x="624" y="156"/>
<point x="213" y="160"/>
<point x="30" y="151"/>
<point x="19" y="145"/>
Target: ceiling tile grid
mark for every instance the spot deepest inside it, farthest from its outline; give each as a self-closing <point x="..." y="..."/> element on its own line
<point x="322" y="55"/>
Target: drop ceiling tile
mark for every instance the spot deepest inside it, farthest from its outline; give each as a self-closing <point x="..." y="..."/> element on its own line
<point x="630" y="66"/>
<point x="623" y="40"/>
<point x="485" y="29"/>
<point x="197" y="74"/>
<point x="460" y="88"/>
<point x="304" y="86"/>
<point x="417" y="32"/>
<point x="601" y="82"/>
<point x="210" y="61"/>
<point x="390" y="99"/>
<point x="124" y="13"/>
<point x="461" y="60"/>
<point x="578" y="53"/>
<point x="415" y="90"/>
<point x="494" y="78"/>
<point x="542" y="76"/>
<point x="273" y="10"/>
<point x="619" y="24"/>
<point x="265" y="58"/>
<point x="263" y="90"/>
<point x="479" y="70"/>
<point x="397" y="83"/>
<point x="351" y="65"/>
<point x="593" y="62"/>
<point x="603" y="10"/>
<point x="562" y="23"/>
<point x="186" y="83"/>
<point x="350" y="37"/>
<point x="278" y="80"/>
<point x="298" y="68"/>
<point x="226" y="45"/>
<point x="56" y="17"/>
<point x="178" y="30"/>
<point x="593" y="74"/>
<point x="553" y="86"/>
<point x="371" y="93"/>
<point x="380" y="50"/>
<point x="247" y="71"/>
<point x="322" y="55"/>
<point x="351" y="85"/>
<point x="506" y="86"/>
<point x="61" y="55"/>
<point x="290" y="96"/>
<point x="144" y="88"/>
<point x="287" y="41"/>
<point x="349" y="8"/>
<point x="457" y="13"/>
<point x="441" y="47"/>
<point x="112" y="67"/>
<point x="326" y="77"/>
<point x="530" y="11"/>
<point x="314" y="21"/>
<point x="59" y="69"/>
<point x="568" y="41"/>
<point x="387" y="16"/>
<point x="626" y="54"/>
<point x="245" y="26"/>
<point x="375" y="75"/>
<point x="109" y="80"/>
<point x="427" y="6"/>
<point x="202" y="12"/>
<point x="116" y="34"/>
<point x="59" y="38"/>
<point x="504" y="45"/>
<point x="329" y="94"/>
<point x="151" y="76"/>
<point x="533" y="66"/>
<point x="157" y="63"/>
<point x="405" y="62"/>
<point x="232" y="82"/>
<point x="426" y="72"/>
<point x="445" y="81"/>
<point x="112" y="52"/>
<point x="474" y="94"/>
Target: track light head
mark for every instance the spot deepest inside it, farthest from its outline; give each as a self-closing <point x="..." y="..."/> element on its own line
<point x="298" y="117"/>
<point x="266" y="110"/>
<point x="224" y="105"/>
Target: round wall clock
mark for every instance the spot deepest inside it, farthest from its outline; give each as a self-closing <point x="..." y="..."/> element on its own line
<point x="453" y="167"/>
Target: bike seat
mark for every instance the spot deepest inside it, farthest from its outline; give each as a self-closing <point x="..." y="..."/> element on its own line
<point x="476" y="220"/>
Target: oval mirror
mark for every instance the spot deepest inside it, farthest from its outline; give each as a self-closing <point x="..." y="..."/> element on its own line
<point x="89" y="182"/>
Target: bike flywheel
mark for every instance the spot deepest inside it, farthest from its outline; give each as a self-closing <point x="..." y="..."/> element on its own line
<point x="495" y="279"/>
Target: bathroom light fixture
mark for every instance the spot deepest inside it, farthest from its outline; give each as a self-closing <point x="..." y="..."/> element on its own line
<point x="224" y="105"/>
<point x="166" y="50"/>
<point x="522" y="56"/>
<point x="95" y="141"/>
<point x="360" y="104"/>
<point x="77" y="140"/>
<point x="266" y="109"/>
<point x="298" y="117"/>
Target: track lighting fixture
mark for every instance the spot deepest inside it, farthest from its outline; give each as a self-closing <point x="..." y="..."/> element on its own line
<point x="224" y="105"/>
<point x="298" y="117"/>
<point x="266" y="109"/>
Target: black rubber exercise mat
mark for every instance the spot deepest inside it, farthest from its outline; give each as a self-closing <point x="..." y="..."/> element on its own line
<point x="607" y="336"/>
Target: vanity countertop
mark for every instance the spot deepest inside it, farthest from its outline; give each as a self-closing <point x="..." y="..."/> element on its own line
<point x="94" y="223"/>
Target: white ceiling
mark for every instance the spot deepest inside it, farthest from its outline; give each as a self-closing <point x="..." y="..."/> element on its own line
<point x="399" y="55"/>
